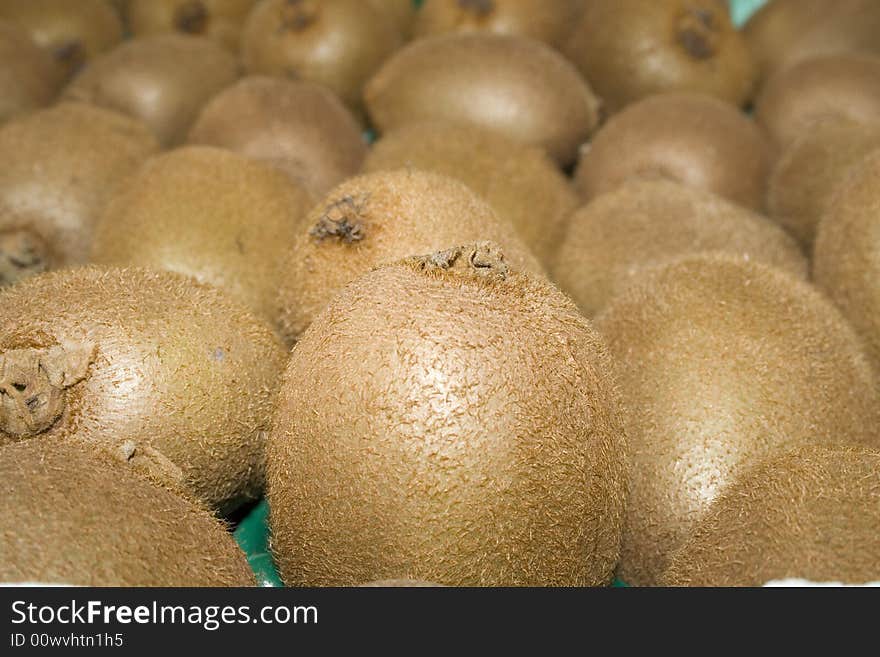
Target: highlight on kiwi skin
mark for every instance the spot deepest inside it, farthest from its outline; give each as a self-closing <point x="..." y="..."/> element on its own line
<point x="465" y="331"/>
<point x="722" y="362"/>
<point x="631" y="49"/>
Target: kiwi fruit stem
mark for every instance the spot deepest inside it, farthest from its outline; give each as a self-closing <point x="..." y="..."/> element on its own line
<point x="22" y="254"/>
<point x="192" y="17"/>
<point x="33" y="385"/>
<point x="341" y="220"/>
<point x="477" y="260"/>
<point x="698" y="34"/>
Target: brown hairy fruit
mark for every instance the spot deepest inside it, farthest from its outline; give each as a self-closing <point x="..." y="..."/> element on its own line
<point x="550" y="22"/>
<point x="449" y="419"/>
<point x="337" y="43"/>
<point x="168" y="375"/>
<point x="220" y="20"/>
<point x="518" y="87"/>
<point x="163" y="80"/>
<point x="630" y="49"/>
<point x="300" y="127"/>
<point x="520" y="182"/>
<point x="28" y="80"/>
<point x="60" y="167"/>
<point x="72" y="32"/>
<point x="72" y="516"/>
<point x="644" y="223"/>
<point x="697" y="140"/>
<point x="379" y="218"/>
<point x="846" y="262"/>
<point x="400" y="584"/>
<point x="401" y="12"/>
<point x="210" y="214"/>
<point x="720" y="363"/>
<point x="805" y="175"/>
<point x="812" y="513"/>
<point x="841" y="87"/>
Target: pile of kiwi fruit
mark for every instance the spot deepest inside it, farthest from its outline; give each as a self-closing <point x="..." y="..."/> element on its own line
<point x="395" y="293"/>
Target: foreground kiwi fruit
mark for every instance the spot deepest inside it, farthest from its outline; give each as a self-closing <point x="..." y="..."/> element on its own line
<point x="400" y="584"/>
<point x="722" y="362"/>
<point x="168" y="375"/>
<point x="520" y="182"/>
<point x="694" y="139"/>
<point x="72" y="32"/>
<point x="300" y="127"/>
<point x="28" y="80"/>
<point x="841" y="87"/>
<point x="806" y="174"/>
<point x="221" y="20"/>
<point x="550" y="22"/>
<point x="412" y="420"/>
<point x="845" y="258"/>
<point x="207" y="213"/>
<point x="811" y="514"/>
<point x="645" y="222"/>
<point x="74" y="516"/>
<point x="163" y="80"/>
<point x="379" y="218"/>
<point x="60" y="167"/>
<point x="630" y="49"/>
<point x="337" y="43"/>
<point x="526" y="90"/>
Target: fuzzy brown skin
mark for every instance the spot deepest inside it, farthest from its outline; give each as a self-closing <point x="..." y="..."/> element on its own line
<point x="300" y="127"/>
<point x="414" y="438"/>
<point x="401" y="12"/>
<point x="73" y="33"/>
<point x="163" y="80"/>
<point x="337" y="43"/>
<point x="842" y="87"/>
<point x="207" y="213"/>
<point x="647" y="222"/>
<point x="180" y="382"/>
<point x="809" y="514"/>
<point x="550" y="22"/>
<point x="400" y="584"/>
<point x="694" y="139"/>
<point x="379" y="218"/>
<point x="28" y="79"/>
<point x="73" y="516"/>
<point x="845" y="259"/>
<point x="60" y="167"/>
<point x="806" y="174"/>
<point x="720" y="363"/>
<point x="220" y="20"/>
<point x="630" y="49"/>
<point x="520" y="182"/>
<point x="515" y="86"/>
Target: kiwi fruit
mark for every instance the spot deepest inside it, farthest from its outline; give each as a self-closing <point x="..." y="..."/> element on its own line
<point x="163" y="80"/>
<point x="400" y="584"/>
<point x="846" y="264"/>
<point x="167" y="375"/>
<point x="28" y="79"/>
<point x="722" y="362"/>
<point x="630" y="49"/>
<point x="337" y="43"/>
<point x="812" y="513"/>
<point x="516" y="86"/>
<point x="694" y="139"/>
<point x="550" y="22"/>
<point x="73" y="33"/>
<point x="300" y="127"/>
<point x="207" y="213"/>
<point x="520" y="182"/>
<point x="450" y="419"/>
<point x="643" y="223"/>
<point x="60" y="167"/>
<point x="379" y="218"/>
<point x="401" y="12"/>
<point x="805" y="175"/>
<point x="74" y="516"/>
<point x="840" y="87"/>
<point x="220" y="20"/>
